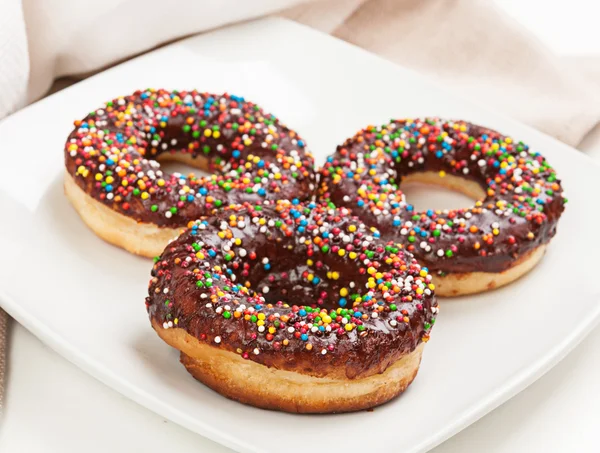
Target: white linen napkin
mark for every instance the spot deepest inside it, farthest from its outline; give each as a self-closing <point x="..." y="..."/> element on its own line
<point x="467" y="45"/>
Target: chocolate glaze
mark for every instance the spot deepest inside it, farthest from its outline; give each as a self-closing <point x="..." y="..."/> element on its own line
<point x="252" y="155"/>
<point x="519" y="213"/>
<point x="290" y="256"/>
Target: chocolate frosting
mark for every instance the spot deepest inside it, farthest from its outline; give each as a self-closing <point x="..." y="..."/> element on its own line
<point x="299" y="287"/>
<point x="520" y="211"/>
<point x="112" y="154"/>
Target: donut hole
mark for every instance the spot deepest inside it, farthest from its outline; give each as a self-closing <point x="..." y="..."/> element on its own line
<point x="428" y="190"/>
<point x="327" y="283"/>
<point x="184" y="164"/>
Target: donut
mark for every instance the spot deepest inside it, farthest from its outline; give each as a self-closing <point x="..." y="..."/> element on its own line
<point x="116" y="184"/>
<point x="291" y="306"/>
<point x="500" y="238"/>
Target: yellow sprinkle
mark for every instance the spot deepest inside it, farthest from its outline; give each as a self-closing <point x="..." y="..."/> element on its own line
<point x="343" y="292"/>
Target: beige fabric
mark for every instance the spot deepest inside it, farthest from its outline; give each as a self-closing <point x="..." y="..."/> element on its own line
<point x="473" y="49"/>
<point x="468" y="46"/>
<point x="3" y="347"/>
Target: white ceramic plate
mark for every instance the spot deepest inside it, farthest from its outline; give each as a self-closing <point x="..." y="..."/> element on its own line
<point x="85" y="298"/>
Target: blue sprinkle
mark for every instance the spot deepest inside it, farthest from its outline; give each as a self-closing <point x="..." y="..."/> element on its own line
<point x="302" y="312"/>
<point x="429" y="213"/>
<point x="295" y="201"/>
<point x="108" y="187"/>
<point x="267" y="266"/>
<point x="409" y="207"/>
<point x="439" y="154"/>
<point x="342" y="302"/>
<point x="361" y="203"/>
<point x="316" y="280"/>
<point x="203" y="191"/>
<point x="260" y="164"/>
<point x="190" y="198"/>
<point x="110" y="162"/>
<point x="262" y="192"/>
<point x="357" y="314"/>
<point x="396" y="223"/>
<point x="212" y="253"/>
<point x="301" y="143"/>
<point x="236" y="154"/>
<point x="322" y="328"/>
<point x="304" y="337"/>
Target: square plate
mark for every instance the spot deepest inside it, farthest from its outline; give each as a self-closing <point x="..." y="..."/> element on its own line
<point x="85" y="298"/>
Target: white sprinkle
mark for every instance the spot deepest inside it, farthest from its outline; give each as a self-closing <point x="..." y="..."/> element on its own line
<point x="217" y="339"/>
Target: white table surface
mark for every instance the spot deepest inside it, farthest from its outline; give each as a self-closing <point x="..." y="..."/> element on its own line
<point x="53" y="407"/>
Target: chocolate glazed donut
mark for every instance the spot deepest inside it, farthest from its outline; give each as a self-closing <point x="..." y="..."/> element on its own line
<point x="118" y="187"/>
<point x="468" y="250"/>
<point x="295" y="307"/>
